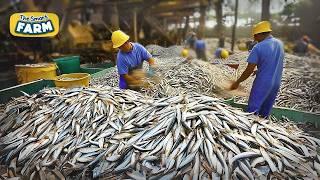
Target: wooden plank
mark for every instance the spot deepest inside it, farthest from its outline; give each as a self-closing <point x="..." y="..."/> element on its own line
<point x="186" y="6"/>
<point x="175" y="14"/>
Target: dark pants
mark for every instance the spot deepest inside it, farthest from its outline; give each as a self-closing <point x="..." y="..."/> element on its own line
<point x="201" y="54"/>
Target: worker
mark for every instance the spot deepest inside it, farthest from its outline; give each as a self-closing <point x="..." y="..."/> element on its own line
<point x="250" y="45"/>
<point x="304" y="46"/>
<point x="185" y="52"/>
<point x="130" y="58"/>
<point x="200" y="48"/>
<point x="221" y="53"/>
<point x="191" y="39"/>
<point x="267" y="55"/>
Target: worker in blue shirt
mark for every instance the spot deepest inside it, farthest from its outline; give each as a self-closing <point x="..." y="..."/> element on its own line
<point x="129" y="59"/>
<point x="267" y="55"/>
<point x="200" y="48"/>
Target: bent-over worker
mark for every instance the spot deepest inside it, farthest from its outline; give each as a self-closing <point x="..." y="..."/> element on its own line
<point x="221" y="53"/>
<point x="268" y="56"/>
<point x="130" y="58"/>
<point x="304" y="46"/>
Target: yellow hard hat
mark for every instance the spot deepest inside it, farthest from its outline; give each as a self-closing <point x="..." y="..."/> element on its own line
<point x="224" y="54"/>
<point x="185" y="53"/>
<point x="118" y="38"/>
<point x="261" y="27"/>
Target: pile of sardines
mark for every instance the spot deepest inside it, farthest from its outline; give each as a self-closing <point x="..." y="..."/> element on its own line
<point x="103" y="131"/>
<point x="177" y="75"/>
<point x="300" y="87"/>
<point x="194" y="76"/>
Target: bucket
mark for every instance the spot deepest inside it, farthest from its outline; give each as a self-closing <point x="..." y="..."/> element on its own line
<point x="94" y="68"/>
<point x="30" y="72"/>
<point x="72" y="80"/>
<point x="69" y="64"/>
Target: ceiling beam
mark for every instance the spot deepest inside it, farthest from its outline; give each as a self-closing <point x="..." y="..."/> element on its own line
<point x="168" y="14"/>
<point x="173" y="8"/>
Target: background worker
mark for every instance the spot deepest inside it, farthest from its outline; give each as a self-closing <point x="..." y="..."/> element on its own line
<point x="221" y="53"/>
<point x="250" y="45"/>
<point x="191" y="39"/>
<point x="267" y="55"/>
<point x="200" y="48"/>
<point x="304" y="46"/>
<point x="185" y="53"/>
<point x="129" y="59"/>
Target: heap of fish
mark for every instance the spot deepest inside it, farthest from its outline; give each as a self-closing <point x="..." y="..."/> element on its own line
<point x="159" y="51"/>
<point x="111" y="78"/>
<point x="195" y="76"/>
<point x="299" y="89"/>
<point x="235" y="58"/>
<point x="34" y="65"/>
<point x="175" y="76"/>
<point x="95" y="132"/>
<point x="61" y="78"/>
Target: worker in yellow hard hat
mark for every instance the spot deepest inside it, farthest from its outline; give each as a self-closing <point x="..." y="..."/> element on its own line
<point x="221" y="53"/>
<point x="130" y="59"/>
<point x="185" y="53"/>
<point x="304" y="46"/>
<point x="267" y="55"/>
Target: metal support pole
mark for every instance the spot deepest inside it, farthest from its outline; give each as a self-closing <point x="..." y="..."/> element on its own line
<point x="186" y="27"/>
<point x="135" y="28"/>
<point x="114" y="18"/>
<point x="234" y="26"/>
<point x="202" y="21"/>
<point x="165" y="24"/>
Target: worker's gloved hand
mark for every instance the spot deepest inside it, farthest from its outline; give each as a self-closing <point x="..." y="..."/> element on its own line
<point x="151" y="72"/>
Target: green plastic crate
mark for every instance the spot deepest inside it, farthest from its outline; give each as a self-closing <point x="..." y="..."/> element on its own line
<point x="33" y="87"/>
<point x="279" y="112"/>
<point x="30" y="88"/>
<point x="69" y="64"/>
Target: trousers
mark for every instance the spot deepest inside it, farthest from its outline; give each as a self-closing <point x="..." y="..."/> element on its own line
<point x="262" y="99"/>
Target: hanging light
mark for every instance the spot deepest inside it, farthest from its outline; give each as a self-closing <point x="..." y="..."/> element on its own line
<point x="196" y="14"/>
<point x="141" y="34"/>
